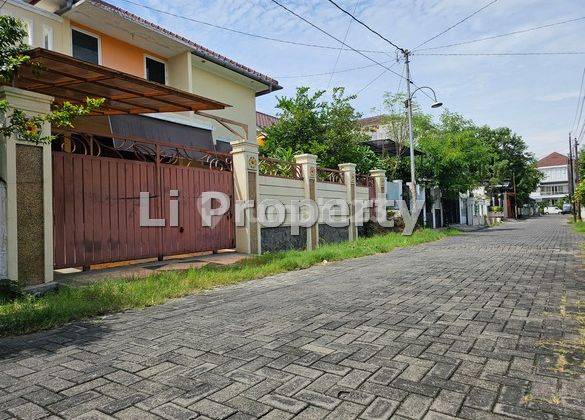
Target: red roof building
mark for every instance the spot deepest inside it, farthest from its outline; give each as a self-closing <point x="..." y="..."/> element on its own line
<point x="554" y="159"/>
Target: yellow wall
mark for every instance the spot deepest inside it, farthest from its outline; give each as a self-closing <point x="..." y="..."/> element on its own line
<point x="119" y="55"/>
<point x="61" y="35"/>
<point x="241" y="98"/>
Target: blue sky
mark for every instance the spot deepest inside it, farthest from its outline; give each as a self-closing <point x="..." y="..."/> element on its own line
<point x="536" y="96"/>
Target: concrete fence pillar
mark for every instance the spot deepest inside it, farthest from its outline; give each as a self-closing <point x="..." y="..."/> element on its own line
<point x="348" y="170"/>
<point x="26" y="171"/>
<point x="308" y="164"/>
<point x="245" y="171"/>
<point x="379" y="177"/>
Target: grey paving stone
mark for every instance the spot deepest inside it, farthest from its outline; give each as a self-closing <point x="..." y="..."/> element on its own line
<point x="212" y="409"/>
<point x="174" y="412"/>
<point x="380" y="408"/>
<point x="445" y="329"/>
<point x="28" y="411"/>
<point x="284" y="403"/>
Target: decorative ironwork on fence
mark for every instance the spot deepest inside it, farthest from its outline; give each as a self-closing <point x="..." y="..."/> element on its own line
<point x="330" y="175"/>
<point x="280" y="168"/>
<point x="135" y="148"/>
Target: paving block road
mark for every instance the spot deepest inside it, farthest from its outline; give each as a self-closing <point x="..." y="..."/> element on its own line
<point x="455" y="328"/>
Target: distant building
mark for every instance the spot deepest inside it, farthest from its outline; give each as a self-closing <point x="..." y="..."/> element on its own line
<point x="263" y="121"/>
<point x="555" y="184"/>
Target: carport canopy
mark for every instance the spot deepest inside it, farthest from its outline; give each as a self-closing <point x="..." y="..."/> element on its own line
<point x="69" y="79"/>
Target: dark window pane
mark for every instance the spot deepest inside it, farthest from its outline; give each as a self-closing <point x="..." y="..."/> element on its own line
<point x="155" y="71"/>
<point x="85" y="47"/>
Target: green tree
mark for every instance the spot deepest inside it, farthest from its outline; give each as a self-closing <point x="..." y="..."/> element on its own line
<point x="309" y="124"/>
<point x="580" y="192"/>
<point x="455" y="158"/>
<point x="16" y="122"/>
<point x="512" y="161"/>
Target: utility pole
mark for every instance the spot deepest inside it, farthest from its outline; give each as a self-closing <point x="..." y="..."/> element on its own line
<point x="515" y="199"/>
<point x="410" y="134"/>
<point x="571" y="180"/>
<point x="577" y="176"/>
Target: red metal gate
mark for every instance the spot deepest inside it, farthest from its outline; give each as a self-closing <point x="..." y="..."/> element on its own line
<point x="96" y="209"/>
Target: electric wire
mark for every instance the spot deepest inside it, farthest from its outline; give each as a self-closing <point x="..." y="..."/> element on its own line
<point x="341" y="46"/>
<point x="504" y="54"/>
<point x="249" y="34"/>
<point x="366" y="26"/>
<point x="456" y="24"/>
<point x="503" y="35"/>
<point x="579" y="110"/>
<point x="338" y="40"/>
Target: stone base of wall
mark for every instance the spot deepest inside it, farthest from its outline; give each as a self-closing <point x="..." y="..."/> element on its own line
<point x="329" y="234"/>
<point x="3" y="243"/>
<point x="279" y="238"/>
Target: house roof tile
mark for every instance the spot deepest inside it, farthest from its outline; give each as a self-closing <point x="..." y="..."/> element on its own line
<point x="264" y="120"/>
<point x="554" y="159"/>
<point x="197" y="48"/>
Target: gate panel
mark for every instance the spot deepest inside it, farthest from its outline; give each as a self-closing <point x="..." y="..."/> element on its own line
<point x="191" y="236"/>
<point x="96" y="210"/>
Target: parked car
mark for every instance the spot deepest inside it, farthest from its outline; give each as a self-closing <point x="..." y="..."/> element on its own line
<point x="552" y="210"/>
<point x="567" y="208"/>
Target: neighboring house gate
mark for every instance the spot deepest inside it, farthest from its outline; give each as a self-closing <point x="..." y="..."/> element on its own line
<point x="96" y="199"/>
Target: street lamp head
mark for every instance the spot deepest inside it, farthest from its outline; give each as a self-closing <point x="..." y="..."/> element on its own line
<point x="437" y="104"/>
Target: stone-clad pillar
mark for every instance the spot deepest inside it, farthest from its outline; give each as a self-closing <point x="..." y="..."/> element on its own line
<point x="308" y="164"/>
<point x="348" y="170"/>
<point x="26" y="170"/>
<point x="379" y="176"/>
<point x="245" y="171"/>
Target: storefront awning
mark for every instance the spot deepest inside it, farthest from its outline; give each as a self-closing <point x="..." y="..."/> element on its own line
<point x="69" y="79"/>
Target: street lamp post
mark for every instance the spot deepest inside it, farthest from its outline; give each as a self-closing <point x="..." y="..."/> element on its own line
<point x="408" y="104"/>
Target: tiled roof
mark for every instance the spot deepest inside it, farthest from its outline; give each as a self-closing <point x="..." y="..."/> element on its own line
<point x="264" y="120"/>
<point x="375" y="119"/>
<point x="197" y="49"/>
<point x="554" y="159"/>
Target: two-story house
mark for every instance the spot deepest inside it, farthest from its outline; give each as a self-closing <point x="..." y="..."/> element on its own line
<point x="100" y="33"/>
<point x="555" y="184"/>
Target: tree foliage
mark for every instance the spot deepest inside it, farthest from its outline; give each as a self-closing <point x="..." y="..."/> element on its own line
<point x="16" y="122"/>
<point x="579" y="195"/>
<point x="309" y="124"/>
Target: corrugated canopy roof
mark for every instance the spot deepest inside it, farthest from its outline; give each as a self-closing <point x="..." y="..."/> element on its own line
<point x="69" y="79"/>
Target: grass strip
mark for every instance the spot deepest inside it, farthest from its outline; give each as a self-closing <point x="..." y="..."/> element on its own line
<point x="28" y="314"/>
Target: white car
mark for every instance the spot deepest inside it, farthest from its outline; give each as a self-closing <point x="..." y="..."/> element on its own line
<point x="552" y="210"/>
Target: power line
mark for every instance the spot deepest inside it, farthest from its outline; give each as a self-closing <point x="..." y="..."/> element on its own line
<point x="580" y="100"/>
<point x="456" y="24"/>
<point x="341" y="46"/>
<point x="506" y="54"/>
<point x="366" y="26"/>
<point x="327" y="73"/>
<point x="249" y="34"/>
<point x="503" y="35"/>
<point x="335" y="38"/>
<point x="367" y="85"/>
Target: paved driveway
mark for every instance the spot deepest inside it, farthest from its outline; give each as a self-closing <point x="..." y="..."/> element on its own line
<point x="450" y="328"/>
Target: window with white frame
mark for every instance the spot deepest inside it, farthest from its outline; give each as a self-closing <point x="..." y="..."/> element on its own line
<point x="155" y="70"/>
<point x="47" y="37"/>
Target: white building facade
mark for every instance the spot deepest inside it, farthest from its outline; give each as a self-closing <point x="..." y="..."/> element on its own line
<point x="555" y="184"/>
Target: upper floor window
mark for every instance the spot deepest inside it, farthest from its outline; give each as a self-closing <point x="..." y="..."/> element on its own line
<point x="47" y="37"/>
<point x="28" y="25"/>
<point x="86" y="47"/>
<point x="155" y="70"/>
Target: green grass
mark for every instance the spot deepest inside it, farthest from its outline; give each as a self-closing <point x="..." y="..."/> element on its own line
<point x="579" y="226"/>
<point x="29" y="314"/>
